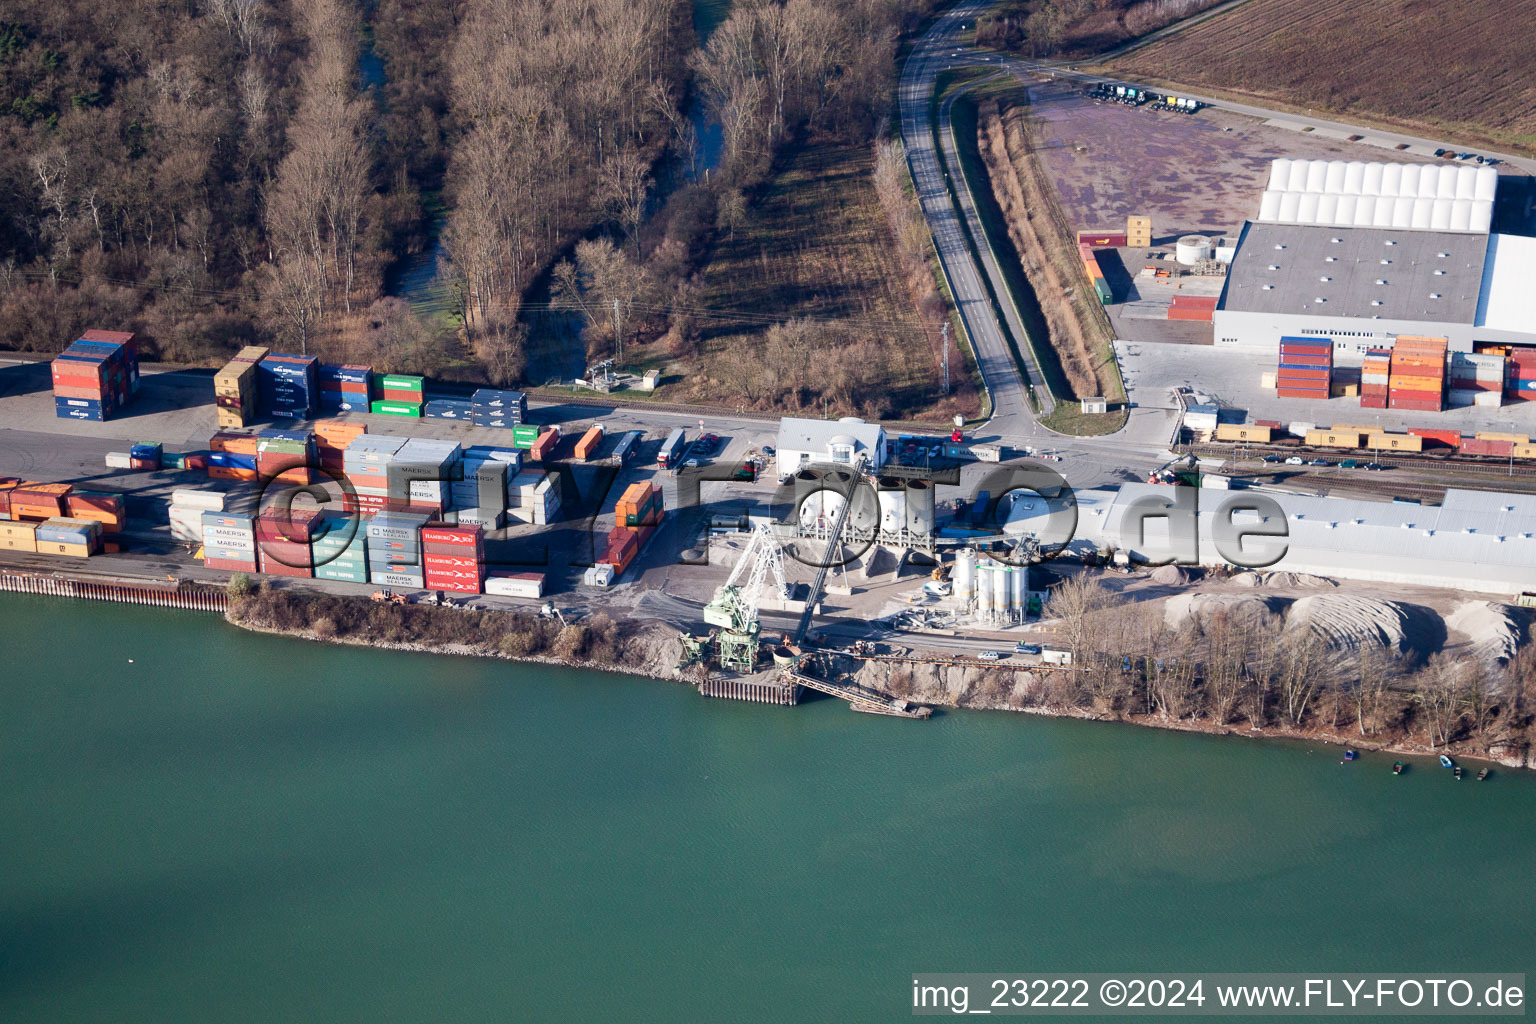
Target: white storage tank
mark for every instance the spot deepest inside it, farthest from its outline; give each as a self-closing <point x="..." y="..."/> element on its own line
<point x="984" y="591"/>
<point x="1191" y="249"/>
<point x="1001" y="589"/>
<point x="919" y="510"/>
<point x="1018" y="600"/>
<point x="893" y="505"/>
<point x="964" y="576"/>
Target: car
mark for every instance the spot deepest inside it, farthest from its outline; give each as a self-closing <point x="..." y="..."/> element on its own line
<point x="711" y="438"/>
<point x="1295" y="460"/>
<point x="990" y="655"/>
<point x="1349" y="464"/>
<point x="1374" y="467"/>
<point x="1026" y="648"/>
<point x="768" y="450"/>
<point x="1440" y="152"/>
<point x="1272" y="458"/>
<point x="1318" y="462"/>
<point x="933" y="452"/>
<point x="691" y="464"/>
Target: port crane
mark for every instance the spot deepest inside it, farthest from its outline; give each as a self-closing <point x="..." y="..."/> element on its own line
<point x="733" y="610"/>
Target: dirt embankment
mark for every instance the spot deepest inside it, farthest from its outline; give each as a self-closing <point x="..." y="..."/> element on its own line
<point x="1079" y="334"/>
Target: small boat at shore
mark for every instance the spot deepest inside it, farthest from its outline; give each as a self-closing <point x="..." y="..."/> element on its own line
<point x="1446" y="762"/>
<point x="1349" y="755"/>
<point x="1397" y="769"/>
<point x="1457" y="772"/>
<point x="1482" y="774"/>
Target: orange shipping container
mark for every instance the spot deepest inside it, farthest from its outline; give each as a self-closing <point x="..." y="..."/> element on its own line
<point x="1403" y="382"/>
<point x="339" y="433"/>
<point x="235" y="444"/>
<point x="589" y="441"/>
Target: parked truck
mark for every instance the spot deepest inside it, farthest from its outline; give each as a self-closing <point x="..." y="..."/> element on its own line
<point x="672" y="449"/>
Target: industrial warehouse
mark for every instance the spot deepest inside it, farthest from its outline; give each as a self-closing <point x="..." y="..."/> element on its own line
<point x="1363" y="253"/>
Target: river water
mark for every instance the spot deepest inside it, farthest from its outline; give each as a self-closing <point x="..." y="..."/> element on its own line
<point x="204" y="824"/>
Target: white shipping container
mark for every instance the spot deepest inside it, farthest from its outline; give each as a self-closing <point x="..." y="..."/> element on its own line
<point x="190" y="497"/>
<point x="523" y="585"/>
<point x="398" y="579"/>
<point x="119" y="460"/>
<point x="229" y="536"/>
<point x="598" y="576"/>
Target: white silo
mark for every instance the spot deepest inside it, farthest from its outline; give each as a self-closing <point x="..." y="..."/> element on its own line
<point x="965" y="576"/>
<point x="919" y="510"/>
<point x="1191" y="249"/>
<point x="1001" y="589"/>
<point x="1018" y="600"/>
<point x="984" y="589"/>
<point x="820" y="507"/>
<point x="893" y="505"/>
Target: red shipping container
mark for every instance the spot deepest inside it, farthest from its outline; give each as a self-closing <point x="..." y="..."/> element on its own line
<point x="1479" y="446"/>
<point x="1372" y="403"/>
<point x="1197" y="316"/>
<point x="1441" y="438"/>
<point x="229" y="565"/>
<point x="432" y="561"/>
<point x="453" y="586"/>
<point x="442" y="533"/>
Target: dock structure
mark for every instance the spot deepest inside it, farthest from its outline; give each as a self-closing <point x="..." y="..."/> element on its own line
<point x="192" y="598"/>
<point x="773" y="691"/>
<point x="860" y="698"/>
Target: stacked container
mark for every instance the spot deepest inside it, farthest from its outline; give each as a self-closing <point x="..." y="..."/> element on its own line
<point x="589" y="442"/>
<point x="399" y="395"/>
<point x="1375" y="375"/>
<point x="237" y="388"/>
<point x="422" y="473"/>
<point x="290" y="386"/>
<point x="448" y="409"/>
<point x="1095" y="274"/>
<point x="284" y="538"/>
<point x="394" y="549"/>
<point x="1476" y="379"/>
<point x="285" y="455"/>
<point x="1306" y="368"/>
<point x="343" y="388"/>
<point x="639" y="505"/>
<point x="74" y="538"/>
<point x="93" y="378"/>
<point x="16" y="536"/>
<point x="7" y="485"/>
<point x="365" y="462"/>
<point x="491" y="407"/>
<point x="340" y="549"/>
<point x="145" y="455"/>
<point x="229" y="542"/>
<point x="232" y="456"/>
<point x="1520" y="375"/>
<point x="453" y="557"/>
<point x="331" y="440"/>
<point x="33" y="500"/>
<point x="480" y="492"/>
<point x="105" y="508"/>
<point x="533" y="496"/>
<point x="624" y="543"/>
<point x="1418" y="374"/>
<point x="186" y="512"/>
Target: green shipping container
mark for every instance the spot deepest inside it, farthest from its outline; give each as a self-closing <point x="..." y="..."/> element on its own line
<point x="346" y="574"/>
<point x="382" y="408"/>
<point x="399" y="382"/>
<point x="1102" y="287"/>
<point x="524" y="436"/>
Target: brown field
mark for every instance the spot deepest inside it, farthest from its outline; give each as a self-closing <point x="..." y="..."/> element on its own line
<point x="1460" y="66"/>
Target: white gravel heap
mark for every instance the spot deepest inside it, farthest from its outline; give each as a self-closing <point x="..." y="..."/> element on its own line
<point x="1345" y="622"/>
<point x="1494" y="630"/>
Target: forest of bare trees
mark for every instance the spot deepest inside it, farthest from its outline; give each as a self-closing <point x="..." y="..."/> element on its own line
<point x="1235" y="671"/>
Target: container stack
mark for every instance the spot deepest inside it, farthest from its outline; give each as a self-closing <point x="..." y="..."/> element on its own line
<point x="237" y="388"/>
<point x="7" y="485"/>
<point x="229" y="542"/>
<point x="533" y="496"/>
<point x="461" y="409"/>
<point x="186" y="512"/>
<point x="365" y="463"/>
<point x="284" y="538"/>
<point x="1520" y="375"/>
<point x="1306" y="368"/>
<point x="1476" y="379"/>
<point x="95" y="376"/>
<point x="422" y="473"/>
<point x="16" y="536"/>
<point x="36" y="501"/>
<point x="331" y="440"/>
<point x="1094" y="271"/>
<point x="480" y="492"/>
<point x="453" y="557"/>
<point x="394" y="549"/>
<point x="639" y="505"/>
<point x="104" y="508"/>
<point x="75" y="538"/>
<point x="491" y="407"/>
<point x="1418" y="374"/>
<point x="343" y="388"/>
<point x="340" y="549"/>
<point x="145" y="455"/>
<point x="1375" y="374"/>
<point x="290" y="386"/>
<point x="589" y="442"/>
<point x="232" y="456"/>
<point x="285" y="455"/>
<point x="399" y="395"/>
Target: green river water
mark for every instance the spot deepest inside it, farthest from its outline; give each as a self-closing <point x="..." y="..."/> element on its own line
<point x="206" y="825"/>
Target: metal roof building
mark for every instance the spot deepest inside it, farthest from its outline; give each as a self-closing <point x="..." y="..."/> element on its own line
<point x="1479" y="541"/>
<point x="1362" y="253"/>
<point x="803" y="441"/>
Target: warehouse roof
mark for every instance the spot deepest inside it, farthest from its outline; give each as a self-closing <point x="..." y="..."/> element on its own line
<point x="1403" y="196"/>
<point x="1356" y="272"/>
<point x="1475" y="540"/>
<point x="819" y="435"/>
<point x="1508" y="301"/>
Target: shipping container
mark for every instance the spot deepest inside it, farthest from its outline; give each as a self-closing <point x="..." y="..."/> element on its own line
<point x="1484" y="446"/>
<point x="672" y="448"/>
<point x="1333" y="439"/>
<point x="1394" y="442"/>
<point x="589" y="441"/>
<point x="1441" y="438"/>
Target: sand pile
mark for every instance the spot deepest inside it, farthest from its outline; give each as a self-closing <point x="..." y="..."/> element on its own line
<point x="1344" y="622"/>
<point x="1297" y="579"/>
<point x="1494" y="631"/>
<point x="1247" y="579"/>
<point x="1246" y="610"/>
<point x="1170" y="575"/>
